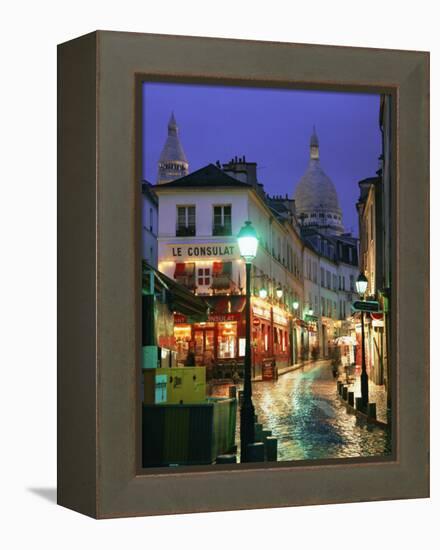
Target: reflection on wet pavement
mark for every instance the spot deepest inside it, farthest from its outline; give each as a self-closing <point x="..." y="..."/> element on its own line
<point x="303" y="411"/>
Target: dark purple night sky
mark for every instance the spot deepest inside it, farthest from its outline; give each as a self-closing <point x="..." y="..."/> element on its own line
<point x="270" y="127"/>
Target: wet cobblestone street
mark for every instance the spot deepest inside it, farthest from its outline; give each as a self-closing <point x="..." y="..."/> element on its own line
<point x="303" y="411"/>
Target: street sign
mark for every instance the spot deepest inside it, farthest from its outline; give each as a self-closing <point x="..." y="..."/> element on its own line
<point x="367" y="305"/>
<point x="310" y="318"/>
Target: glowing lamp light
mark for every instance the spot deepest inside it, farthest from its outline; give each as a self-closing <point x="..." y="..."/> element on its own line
<point x="247" y="242"/>
<point x="279" y="292"/>
<point x="263" y="293"/>
<point x="310" y="311"/>
<point x="361" y="284"/>
<point x="295" y="305"/>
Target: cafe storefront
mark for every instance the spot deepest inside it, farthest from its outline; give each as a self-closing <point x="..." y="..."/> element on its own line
<point x="219" y="343"/>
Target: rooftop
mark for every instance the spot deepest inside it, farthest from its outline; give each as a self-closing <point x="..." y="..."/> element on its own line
<point x="208" y="176"/>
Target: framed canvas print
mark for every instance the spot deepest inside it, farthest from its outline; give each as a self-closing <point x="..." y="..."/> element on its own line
<point x="243" y="274"/>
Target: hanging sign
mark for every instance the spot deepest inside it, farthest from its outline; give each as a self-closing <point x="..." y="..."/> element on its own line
<point x="367" y="305"/>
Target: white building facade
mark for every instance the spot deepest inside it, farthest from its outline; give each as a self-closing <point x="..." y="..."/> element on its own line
<point x="199" y="218"/>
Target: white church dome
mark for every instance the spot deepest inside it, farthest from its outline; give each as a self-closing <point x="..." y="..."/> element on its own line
<point x="316" y="199"/>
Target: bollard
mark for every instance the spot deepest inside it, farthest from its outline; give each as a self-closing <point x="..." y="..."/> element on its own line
<point x="255" y="452"/>
<point x="351" y="398"/>
<point x="372" y="410"/>
<point x="240" y="398"/>
<point x="226" y="459"/>
<point x="232" y="392"/>
<point x="344" y="393"/>
<point x="271" y="446"/>
<point x="359" y="404"/>
<point x="338" y="385"/>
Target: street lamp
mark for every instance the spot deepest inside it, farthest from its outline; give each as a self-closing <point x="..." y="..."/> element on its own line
<point x="361" y="287"/>
<point x="295" y="305"/>
<point x="263" y="293"/>
<point x="248" y="245"/>
<point x="279" y="292"/>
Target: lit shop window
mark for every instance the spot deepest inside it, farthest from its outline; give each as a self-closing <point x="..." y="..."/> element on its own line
<point x="198" y="342"/>
<point x="265" y="337"/>
<point x="226" y="340"/>
<point x="182" y="335"/>
<point x="242" y="347"/>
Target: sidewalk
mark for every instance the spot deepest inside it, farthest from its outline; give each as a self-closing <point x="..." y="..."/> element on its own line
<point x="290" y="368"/>
<point x="376" y="394"/>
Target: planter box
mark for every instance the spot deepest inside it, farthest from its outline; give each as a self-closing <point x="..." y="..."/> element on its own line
<point x="189" y="433"/>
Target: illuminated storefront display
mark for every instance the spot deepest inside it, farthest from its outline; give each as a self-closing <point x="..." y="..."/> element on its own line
<point x="227" y="340"/>
<point x="182" y="335"/>
<point x="221" y="338"/>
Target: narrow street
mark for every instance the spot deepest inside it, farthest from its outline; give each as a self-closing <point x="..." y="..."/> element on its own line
<point x="303" y="411"/>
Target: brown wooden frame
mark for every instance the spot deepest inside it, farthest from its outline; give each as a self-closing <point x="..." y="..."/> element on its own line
<point x="99" y="283"/>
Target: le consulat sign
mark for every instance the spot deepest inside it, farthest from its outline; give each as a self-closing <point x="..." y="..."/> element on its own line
<point x="205" y="251"/>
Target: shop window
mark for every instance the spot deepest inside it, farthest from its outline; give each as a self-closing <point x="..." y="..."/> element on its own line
<point x="209" y="340"/>
<point x="226" y="340"/>
<point x="182" y="335"/>
<point x="198" y="342"/>
<point x="242" y="347"/>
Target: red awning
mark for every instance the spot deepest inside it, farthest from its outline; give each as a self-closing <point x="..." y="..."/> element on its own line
<point x="217" y="268"/>
<point x="226" y="304"/>
<point x="180" y="270"/>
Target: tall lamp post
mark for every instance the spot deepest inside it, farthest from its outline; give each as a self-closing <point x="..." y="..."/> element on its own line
<point x="361" y="287"/>
<point x="248" y="245"/>
<point x="295" y="306"/>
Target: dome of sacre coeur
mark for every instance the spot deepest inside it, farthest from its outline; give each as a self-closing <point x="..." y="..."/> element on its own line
<point x="316" y="199"/>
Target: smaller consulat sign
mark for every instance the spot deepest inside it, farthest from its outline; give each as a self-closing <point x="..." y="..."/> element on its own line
<point x="206" y="251"/>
